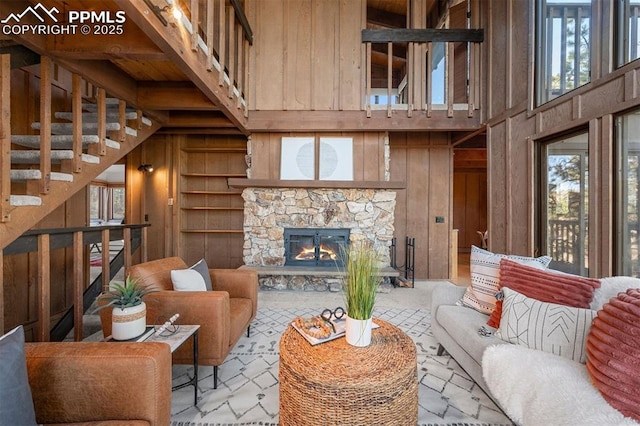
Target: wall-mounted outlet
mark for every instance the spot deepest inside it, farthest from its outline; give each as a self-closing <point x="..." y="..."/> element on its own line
<point x="170" y="202"/>
<point x="439" y="219"/>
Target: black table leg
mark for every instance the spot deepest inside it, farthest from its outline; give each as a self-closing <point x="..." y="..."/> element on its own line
<point x="195" y="368"/>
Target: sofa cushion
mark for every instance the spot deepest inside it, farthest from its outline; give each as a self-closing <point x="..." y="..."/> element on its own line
<point x="610" y="287"/>
<point x="613" y="348"/>
<point x="203" y="269"/>
<point x="463" y="324"/>
<point x="558" y="329"/>
<point x="485" y="265"/>
<point x="544" y="285"/>
<point x="16" y="404"/>
<point x="538" y="388"/>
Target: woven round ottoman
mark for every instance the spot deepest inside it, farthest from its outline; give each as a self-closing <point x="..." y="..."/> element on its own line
<point x="334" y="383"/>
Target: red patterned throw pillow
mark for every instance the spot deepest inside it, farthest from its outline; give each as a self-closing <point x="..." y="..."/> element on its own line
<point x="613" y="352"/>
<point x="544" y="285"/>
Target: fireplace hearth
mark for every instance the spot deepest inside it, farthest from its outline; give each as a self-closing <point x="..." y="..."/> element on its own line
<point x="314" y="247"/>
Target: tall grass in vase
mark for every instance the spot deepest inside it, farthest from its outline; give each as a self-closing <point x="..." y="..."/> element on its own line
<point x="360" y="286"/>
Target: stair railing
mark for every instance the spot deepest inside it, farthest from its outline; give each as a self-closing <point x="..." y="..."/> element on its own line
<point x="43" y="241"/>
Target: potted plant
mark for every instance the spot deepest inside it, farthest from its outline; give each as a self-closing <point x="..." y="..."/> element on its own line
<point x="129" y="315"/>
<point x="360" y="285"/>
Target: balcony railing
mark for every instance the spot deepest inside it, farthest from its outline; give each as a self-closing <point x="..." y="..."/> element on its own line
<point x="426" y="70"/>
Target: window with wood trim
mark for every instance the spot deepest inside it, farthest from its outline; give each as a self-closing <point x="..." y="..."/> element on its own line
<point x="627" y="233"/>
<point x="563" y="41"/>
<point x="564" y="199"/>
<point x="628" y="28"/>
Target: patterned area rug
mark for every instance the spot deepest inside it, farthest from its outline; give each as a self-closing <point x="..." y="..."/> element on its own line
<point x="247" y="391"/>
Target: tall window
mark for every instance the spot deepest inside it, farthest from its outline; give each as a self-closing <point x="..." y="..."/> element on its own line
<point x="628" y="31"/>
<point x="563" y="40"/>
<point x="564" y="196"/>
<point x="628" y="194"/>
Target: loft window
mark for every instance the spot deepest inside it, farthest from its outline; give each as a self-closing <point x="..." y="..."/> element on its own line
<point x="628" y="27"/>
<point x="563" y="43"/>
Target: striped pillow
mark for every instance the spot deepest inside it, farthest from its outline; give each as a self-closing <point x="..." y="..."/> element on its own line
<point x="544" y="285"/>
<point x="485" y="272"/>
<point x="549" y="327"/>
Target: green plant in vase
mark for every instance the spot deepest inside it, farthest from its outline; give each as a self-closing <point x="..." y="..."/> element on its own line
<point x="360" y="286"/>
<point x="129" y="314"/>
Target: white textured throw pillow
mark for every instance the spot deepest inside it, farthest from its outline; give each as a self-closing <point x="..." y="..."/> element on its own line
<point x="485" y="277"/>
<point x="187" y="280"/>
<point x="557" y="329"/>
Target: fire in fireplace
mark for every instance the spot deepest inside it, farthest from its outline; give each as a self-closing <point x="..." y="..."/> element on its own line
<point x="314" y="246"/>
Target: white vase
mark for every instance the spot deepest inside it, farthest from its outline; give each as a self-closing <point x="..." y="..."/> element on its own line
<point x="128" y="323"/>
<point x="358" y="332"/>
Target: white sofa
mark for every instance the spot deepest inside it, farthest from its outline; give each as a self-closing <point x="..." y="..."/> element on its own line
<point x="531" y="386"/>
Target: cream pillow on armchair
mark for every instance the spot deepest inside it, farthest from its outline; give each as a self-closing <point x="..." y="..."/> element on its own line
<point x="187" y="280"/>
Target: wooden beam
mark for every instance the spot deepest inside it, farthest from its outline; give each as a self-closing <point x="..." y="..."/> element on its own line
<point x="206" y="119"/>
<point x="163" y="96"/>
<point x="422" y="35"/>
<point x="385" y="18"/>
<point x="44" y="288"/>
<point x="309" y="121"/>
<point x="106" y="267"/>
<point x="5" y="138"/>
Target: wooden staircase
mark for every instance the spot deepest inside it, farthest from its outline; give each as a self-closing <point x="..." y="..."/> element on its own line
<point x="39" y="172"/>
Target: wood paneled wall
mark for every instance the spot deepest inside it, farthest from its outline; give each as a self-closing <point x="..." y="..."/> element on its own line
<point x="424" y="162"/>
<point x="368" y="154"/>
<point x="307" y="54"/>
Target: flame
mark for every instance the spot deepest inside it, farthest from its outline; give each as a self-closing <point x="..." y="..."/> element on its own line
<point x="308" y="253"/>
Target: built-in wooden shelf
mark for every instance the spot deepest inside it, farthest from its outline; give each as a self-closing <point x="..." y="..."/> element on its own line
<point x="333" y="184"/>
<point x="216" y="150"/>
<point x="214" y="175"/>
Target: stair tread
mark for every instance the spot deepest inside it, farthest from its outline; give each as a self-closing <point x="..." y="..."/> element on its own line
<point x="33" y="156"/>
<point x="59" y="141"/>
<point x="24" y="200"/>
<point x="92" y="117"/>
<point x="67" y="128"/>
<point x="32" y="174"/>
<point x="112" y="105"/>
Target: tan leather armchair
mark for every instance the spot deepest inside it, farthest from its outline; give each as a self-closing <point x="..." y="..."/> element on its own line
<point x="223" y="314"/>
<point x="83" y="383"/>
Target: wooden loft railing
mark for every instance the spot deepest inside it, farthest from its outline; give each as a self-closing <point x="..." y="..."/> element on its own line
<point x="426" y="52"/>
<point x="42" y="241"/>
<point x="217" y="30"/>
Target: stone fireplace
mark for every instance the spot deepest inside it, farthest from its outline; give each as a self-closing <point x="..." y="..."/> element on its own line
<point x="367" y="214"/>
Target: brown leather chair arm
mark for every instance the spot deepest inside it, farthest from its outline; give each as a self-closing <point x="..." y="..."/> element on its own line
<point x="238" y="283"/>
<point x="94" y="381"/>
<point x="209" y="309"/>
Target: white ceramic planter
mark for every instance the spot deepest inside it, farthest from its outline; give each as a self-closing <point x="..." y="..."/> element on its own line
<point x="128" y="323"/>
<point x="358" y="332"/>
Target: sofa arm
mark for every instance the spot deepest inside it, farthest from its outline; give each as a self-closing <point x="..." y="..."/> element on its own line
<point x="446" y="294"/>
<point x="239" y="283"/>
<point x="94" y="381"/>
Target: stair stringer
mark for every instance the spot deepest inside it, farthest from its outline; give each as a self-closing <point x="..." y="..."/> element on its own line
<point x="24" y="218"/>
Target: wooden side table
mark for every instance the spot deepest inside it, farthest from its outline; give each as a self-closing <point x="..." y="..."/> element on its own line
<point x="334" y="383"/>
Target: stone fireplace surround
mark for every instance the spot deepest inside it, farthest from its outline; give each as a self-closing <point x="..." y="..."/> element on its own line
<point x="368" y="213"/>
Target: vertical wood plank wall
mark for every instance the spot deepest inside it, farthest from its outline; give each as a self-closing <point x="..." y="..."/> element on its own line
<point x="424" y="162"/>
<point x="307" y="55"/>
